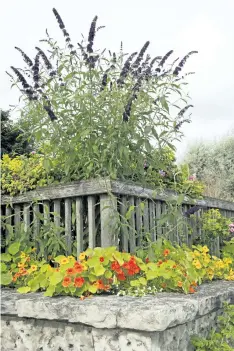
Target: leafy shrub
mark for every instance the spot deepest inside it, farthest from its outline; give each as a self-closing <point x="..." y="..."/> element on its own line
<point x="206" y="159"/>
<point x="22" y="173"/>
<point x="214" y="225"/>
<point x="100" y="114"/>
<point x="223" y="337"/>
<point x="100" y="270"/>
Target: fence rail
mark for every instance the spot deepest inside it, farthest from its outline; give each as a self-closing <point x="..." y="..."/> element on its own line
<point x="103" y="213"/>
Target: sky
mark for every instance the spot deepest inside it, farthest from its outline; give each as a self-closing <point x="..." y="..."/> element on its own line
<point x="181" y="25"/>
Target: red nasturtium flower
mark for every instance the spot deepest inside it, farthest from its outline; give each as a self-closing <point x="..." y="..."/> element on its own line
<point x="66" y="282"/>
<point x="159" y="262"/>
<point x="147" y="260"/>
<point x="166" y="252"/>
<point x="101" y="259"/>
<point x="79" y="282"/>
<point x="121" y="276"/>
<point x="115" y="266"/>
<point x="71" y="271"/>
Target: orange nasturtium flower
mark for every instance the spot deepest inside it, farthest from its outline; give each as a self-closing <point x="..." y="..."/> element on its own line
<point x="15" y="277"/>
<point x="78" y="268"/>
<point x="70" y="271"/>
<point x="179" y="284"/>
<point x="79" y="282"/>
<point x="191" y="290"/>
<point x="24" y="272"/>
<point x="166" y="252"/>
<point x="66" y="282"/>
<point x="101" y="259"/>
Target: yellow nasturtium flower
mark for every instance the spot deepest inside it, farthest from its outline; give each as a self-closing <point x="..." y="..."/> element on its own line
<point x="197" y="264"/>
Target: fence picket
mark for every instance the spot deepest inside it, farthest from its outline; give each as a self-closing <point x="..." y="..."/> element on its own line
<point x="26" y="214"/>
<point x="124" y="227"/>
<point x="68" y="223"/>
<point x="139" y="223"/>
<point x="79" y="226"/>
<point x="91" y="221"/>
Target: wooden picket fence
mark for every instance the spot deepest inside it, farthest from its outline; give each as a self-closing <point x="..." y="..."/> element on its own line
<point x="104" y="213"/>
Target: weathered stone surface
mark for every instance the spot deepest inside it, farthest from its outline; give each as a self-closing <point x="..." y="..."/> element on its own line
<point x="150" y="313"/>
<point x="164" y="322"/>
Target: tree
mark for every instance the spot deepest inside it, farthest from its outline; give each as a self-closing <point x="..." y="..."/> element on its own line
<point x="13" y="139"/>
<point x="213" y="164"/>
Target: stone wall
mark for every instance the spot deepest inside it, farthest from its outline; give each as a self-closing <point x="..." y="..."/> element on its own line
<point x="164" y="322"/>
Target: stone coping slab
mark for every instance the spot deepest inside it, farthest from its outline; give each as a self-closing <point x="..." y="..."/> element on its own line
<point x="149" y="313"/>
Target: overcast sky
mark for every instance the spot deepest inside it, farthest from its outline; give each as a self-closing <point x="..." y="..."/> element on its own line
<point x="181" y="25"/>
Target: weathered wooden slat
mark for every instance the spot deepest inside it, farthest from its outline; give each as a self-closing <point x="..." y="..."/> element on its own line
<point x="105" y="186"/>
<point x="26" y="214"/>
<point x="46" y="220"/>
<point x="17" y="218"/>
<point x="46" y="212"/>
<point x="91" y="221"/>
<point x="132" y="226"/>
<point x="152" y="220"/>
<point x="164" y="211"/>
<point x="158" y="216"/>
<point x="139" y="222"/>
<point x="124" y="225"/>
<point x="79" y="225"/>
<point x="68" y="223"/>
<point x="109" y="220"/>
<point x="8" y="219"/>
<point x="185" y="227"/>
<point x="81" y="188"/>
<point x="36" y="220"/>
<point x="57" y="212"/>
<point x="146" y="217"/>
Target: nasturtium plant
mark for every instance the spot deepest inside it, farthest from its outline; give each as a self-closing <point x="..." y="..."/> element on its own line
<point x="106" y="270"/>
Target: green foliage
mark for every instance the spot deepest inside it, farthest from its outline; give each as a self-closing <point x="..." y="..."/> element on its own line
<point x="49" y="241"/>
<point x="97" y="115"/>
<point x="213" y="224"/>
<point x="223" y="337"/>
<point x="228" y="249"/>
<point x="13" y="138"/>
<point x="206" y="159"/>
<point x="22" y="173"/>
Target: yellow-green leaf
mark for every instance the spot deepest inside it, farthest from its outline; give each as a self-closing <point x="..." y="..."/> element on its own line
<point x="24" y="289"/>
<point x="6" y="278"/>
<point x="14" y="248"/>
<point x="99" y="270"/>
